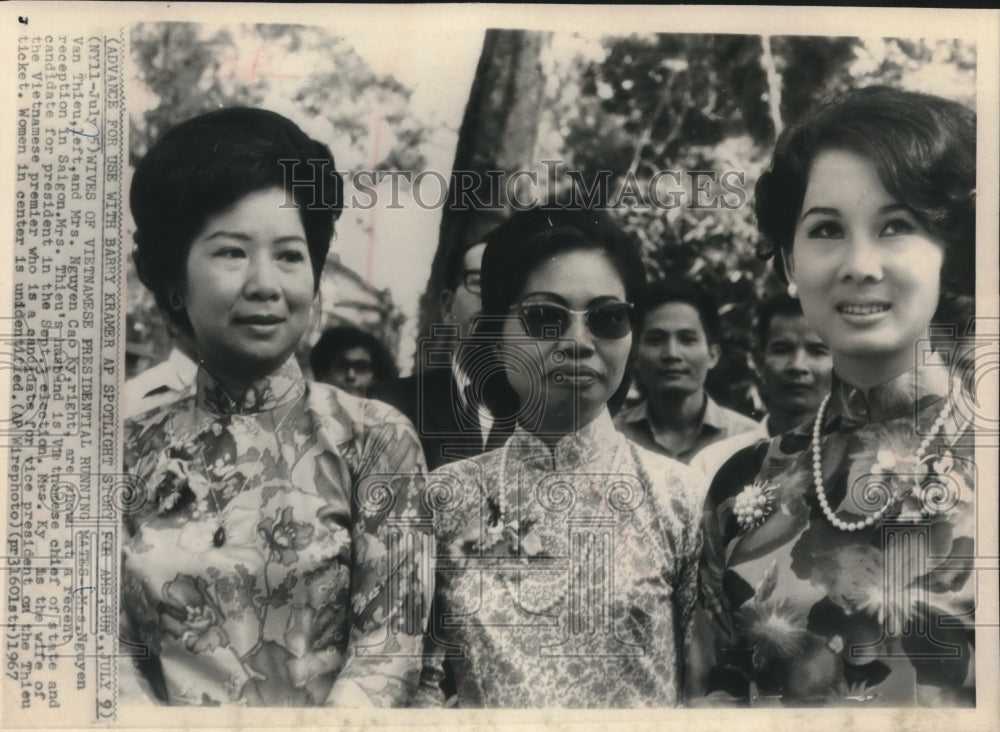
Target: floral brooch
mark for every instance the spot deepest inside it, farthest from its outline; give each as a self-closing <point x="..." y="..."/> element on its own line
<point x="754" y="504"/>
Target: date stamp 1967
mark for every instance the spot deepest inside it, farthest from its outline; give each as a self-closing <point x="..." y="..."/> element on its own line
<point x="62" y="345"/>
<point x="66" y="83"/>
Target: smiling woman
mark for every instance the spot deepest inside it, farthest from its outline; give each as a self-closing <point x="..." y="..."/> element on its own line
<point x="248" y="286"/>
<point x="838" y="555"/>
<point x="869" y="272"/>
<point x="252" y="563"/>
<point x="567" y="558"/>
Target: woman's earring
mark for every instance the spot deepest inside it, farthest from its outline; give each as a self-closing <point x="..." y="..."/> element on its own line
<point x="175" y="301"/>
<point x="793" y="291"/>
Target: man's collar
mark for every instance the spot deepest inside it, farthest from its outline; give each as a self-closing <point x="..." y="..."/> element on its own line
<point x="182" y="365"/>
<point x="713" y="417"/>
<point x="636" y="413"/>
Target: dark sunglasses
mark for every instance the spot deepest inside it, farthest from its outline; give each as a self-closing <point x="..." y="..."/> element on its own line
<point x="548" y="320"/>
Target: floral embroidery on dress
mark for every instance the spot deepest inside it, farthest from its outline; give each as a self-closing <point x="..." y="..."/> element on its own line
<point x="807" y="613"/>
<point x="566" y="578"/>
<point x="285" y="536"/>
<point x="189" y="613"/>
<point x="272" y="613"/>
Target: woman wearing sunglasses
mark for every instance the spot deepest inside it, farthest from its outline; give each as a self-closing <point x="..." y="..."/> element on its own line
<point x="567" y="558"/>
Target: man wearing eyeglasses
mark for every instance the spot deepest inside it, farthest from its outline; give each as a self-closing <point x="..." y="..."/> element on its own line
<point x="678" y="346"/>
<point x="449" y="417"/>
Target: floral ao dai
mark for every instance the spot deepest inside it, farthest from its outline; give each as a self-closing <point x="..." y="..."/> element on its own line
<point x="309" y="486"/>
<point x="874" y="605"/>
<point x="565" y="578"/>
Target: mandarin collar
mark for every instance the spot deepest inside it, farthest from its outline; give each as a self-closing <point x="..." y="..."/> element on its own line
<point x="283" y="385"/>
<point x="589" y="445"/>
<point x="907" y="394"/>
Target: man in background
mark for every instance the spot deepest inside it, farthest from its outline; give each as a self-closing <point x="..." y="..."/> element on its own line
<point x="678" y="346"/>
<point x="795" y="368"/>
<point x="351" y="359"/>
<point x="450" y="419"/>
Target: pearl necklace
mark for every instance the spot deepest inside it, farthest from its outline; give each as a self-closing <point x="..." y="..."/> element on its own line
<point x="503" y="509"/>
<point x="817" y="465"/>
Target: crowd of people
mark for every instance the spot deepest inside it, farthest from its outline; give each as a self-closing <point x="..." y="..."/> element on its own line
<point x="501" y="529"/>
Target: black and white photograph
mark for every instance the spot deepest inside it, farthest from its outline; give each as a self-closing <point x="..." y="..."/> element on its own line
<point x="494" y="365"/>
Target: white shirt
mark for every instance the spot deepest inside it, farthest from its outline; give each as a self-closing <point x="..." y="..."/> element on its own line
<point x="709" y="459"/>
<point x="164" y="383"/>
<point x="462" y="381"/>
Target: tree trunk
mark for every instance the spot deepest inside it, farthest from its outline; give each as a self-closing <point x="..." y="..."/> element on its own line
<point x="498" y="133"/>
<point x="773" y="84"/>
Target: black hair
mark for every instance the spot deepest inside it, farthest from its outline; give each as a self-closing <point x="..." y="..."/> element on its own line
<point x="689" y="292"/>
<point x="529" y="237"/>
<point x="477" y="227"/>
<point x="206" y="164"/>
<point x="923" y="148"/>
<point x="338" y="339"/>
<point x="516" y="248"/>
<point x="779" y="304"/>
<point x="455" y="266"/>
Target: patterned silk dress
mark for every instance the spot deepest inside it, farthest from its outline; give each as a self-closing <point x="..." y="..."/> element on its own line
<point x="565" y="578"/>
<point x="276" y="551"/>
<point x="809" y="614"/>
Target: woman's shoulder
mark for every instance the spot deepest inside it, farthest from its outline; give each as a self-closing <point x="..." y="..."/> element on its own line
<point x="160" y="412"/>
<point x="772" y="456"/>
<point x="671" y="477"/>
<point x="458" y="492"/>
<point x="742" y="467"/>
<point x="331" y="401"/>
<point x="671" y="467"/>
<point x="152" y="424"/>
<point x="151" y="435"/>
<point x="370" y="435"/>
<point x="469" y="471"/>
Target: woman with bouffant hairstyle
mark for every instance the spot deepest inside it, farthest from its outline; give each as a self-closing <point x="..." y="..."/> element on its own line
<point x="263" y="505"/>
<point x="837" y="559"/>
<point x="210" y="162"/>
